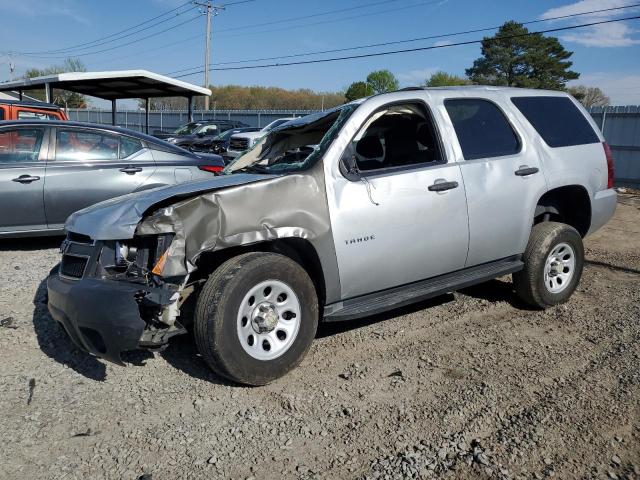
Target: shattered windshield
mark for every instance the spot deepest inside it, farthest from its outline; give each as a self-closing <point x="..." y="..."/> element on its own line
<point x="294" y="146"/>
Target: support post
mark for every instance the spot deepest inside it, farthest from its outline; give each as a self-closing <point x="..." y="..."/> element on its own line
<point x="146" y="116"/>
<point x="20" y="94"/>
<point x="113" y="112"/>
<point x="190" y="108"/>
<point x="48" y="92"/>
<point x="207" y="54"/>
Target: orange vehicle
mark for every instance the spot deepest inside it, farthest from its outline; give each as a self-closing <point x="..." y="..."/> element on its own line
<point x="30" y="110"/>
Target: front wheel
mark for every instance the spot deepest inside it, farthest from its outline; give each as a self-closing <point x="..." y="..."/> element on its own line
<point x="256" y="317"/>
<point x="553" y="263"/>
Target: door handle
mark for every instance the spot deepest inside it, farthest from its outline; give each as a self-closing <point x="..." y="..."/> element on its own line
<point x="442" y="186"/>
<point x="524" y="171"/>
<point x="26" y="179"/>
<point x="131" y="170"/>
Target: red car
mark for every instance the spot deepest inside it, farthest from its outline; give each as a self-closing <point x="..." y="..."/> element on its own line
<point x="30" y="110"/>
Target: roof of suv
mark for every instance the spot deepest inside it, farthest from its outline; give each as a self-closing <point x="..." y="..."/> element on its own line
<point x="30" y="103"/>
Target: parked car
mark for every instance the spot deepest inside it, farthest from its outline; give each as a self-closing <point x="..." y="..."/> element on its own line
<point x="30" y="110"/>
<point x="220" y="143"/>
<point x="48" y="170"/>
<point x="184" y="136"/>
<point x="241" y="142"/>
<point x="406" y="195"/>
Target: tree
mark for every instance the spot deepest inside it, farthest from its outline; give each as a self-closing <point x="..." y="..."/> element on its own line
<point x="382" y="81"/>
<point x="358" y="90"/>
<point x="589" y="96"/>
<point x="514" y="57"/>
<point x="444" y="79"/>
<point x="61" y="98"/>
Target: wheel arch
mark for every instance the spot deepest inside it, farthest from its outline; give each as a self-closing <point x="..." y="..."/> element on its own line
<point x="568" y="204"/>
<point x="298" y="249"/>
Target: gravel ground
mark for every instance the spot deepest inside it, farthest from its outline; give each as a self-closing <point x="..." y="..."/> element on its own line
<point x="470" y="385"/>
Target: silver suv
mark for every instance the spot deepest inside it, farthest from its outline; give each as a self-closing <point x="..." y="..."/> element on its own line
<point x="402" y="197"/>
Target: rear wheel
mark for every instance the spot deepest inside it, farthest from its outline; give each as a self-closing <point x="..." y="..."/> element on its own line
<point x="256" y="317"/>
<point x="553" y="260"/>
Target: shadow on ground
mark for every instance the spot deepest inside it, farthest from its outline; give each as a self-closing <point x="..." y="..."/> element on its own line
<point x="30" y="244"/>
<point x="56" y="344"/>
<point x="182" y="353"/>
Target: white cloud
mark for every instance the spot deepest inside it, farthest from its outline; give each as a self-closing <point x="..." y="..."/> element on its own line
<point x="622" y="88"/>
<point x="605" y="35"/>
<point x="416" y="77"/>
<point x="442" y="43"/>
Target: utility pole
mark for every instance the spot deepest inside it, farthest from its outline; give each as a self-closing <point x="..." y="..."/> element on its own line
<point x="210" y="10"/>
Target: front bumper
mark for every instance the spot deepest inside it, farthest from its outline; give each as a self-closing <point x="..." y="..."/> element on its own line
<point x="102" y="317"/>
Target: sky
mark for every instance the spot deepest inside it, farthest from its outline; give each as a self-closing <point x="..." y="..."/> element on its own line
<point x="605" y="55"/>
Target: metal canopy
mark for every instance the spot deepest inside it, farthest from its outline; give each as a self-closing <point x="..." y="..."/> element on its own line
<point x="112" y="86"/>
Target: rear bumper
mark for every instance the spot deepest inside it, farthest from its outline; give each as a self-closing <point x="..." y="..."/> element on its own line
<point x="603" y="206"/>
<point x="102" y="317"/>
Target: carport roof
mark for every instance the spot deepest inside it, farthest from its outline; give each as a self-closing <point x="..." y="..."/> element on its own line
<point x="111" y="85"/>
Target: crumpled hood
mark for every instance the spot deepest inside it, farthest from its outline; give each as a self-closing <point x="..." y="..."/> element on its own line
<point x="117" y="218"/>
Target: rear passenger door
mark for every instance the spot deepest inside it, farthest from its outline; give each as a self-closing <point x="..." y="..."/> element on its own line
<point x="22" y="173"/>
<point x="88" y="166"/>
<point x="502" y="175"/>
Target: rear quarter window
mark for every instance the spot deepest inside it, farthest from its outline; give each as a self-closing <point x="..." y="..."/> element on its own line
<point x="557" y="120"/>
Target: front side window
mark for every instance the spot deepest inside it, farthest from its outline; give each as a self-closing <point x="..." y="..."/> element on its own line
<point x="482" y="129"/>
<point x="396" y="136"/>
<point x="20" y="144"/>
<point x="85" y="145"/>
<point x="557" y="120"/>
<point x="1" y="113"/>
<point x="208" y="130"/>
<point x="187" y="129"/>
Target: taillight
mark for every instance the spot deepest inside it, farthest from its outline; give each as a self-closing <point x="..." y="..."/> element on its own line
<point x="211" y="168"/>
<point x="607" y="152"/>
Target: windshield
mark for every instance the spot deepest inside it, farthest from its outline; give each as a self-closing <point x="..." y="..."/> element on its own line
<point x="295" y="146"/>
<point x="187" y="129"/>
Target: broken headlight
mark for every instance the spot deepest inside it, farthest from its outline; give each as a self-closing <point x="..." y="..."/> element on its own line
<point x="138" y="258"/>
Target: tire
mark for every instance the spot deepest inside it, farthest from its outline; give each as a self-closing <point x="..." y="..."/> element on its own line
<point x="226" y="318"/>
<point x="553" y="263"/>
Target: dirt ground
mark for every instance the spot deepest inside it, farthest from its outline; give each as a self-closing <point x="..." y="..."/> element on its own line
<point x="470" y="385"/>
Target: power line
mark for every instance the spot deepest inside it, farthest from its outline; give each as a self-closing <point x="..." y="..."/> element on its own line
<point x="412" y="40"/>
<point x="158" y="50"/>
<point x="417" y="49"/>
<point x="128" y="43"/>
<point x="73" y="47"/>
<point x="293" y="19"/>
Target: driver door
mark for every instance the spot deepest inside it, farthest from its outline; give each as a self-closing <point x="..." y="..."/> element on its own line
<point x="401" y="215"/>
<point x="91" y="165"/>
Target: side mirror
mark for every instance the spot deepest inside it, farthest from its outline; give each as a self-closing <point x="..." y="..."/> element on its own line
<point x="348" y="165"/>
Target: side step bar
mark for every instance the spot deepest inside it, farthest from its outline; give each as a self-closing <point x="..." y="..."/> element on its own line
<point x="373" y="303"/>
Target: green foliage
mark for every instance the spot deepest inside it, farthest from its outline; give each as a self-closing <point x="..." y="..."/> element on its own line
<point x="589" y="96"/>
<point x="532" y="61"/>
<point x="382" y="81"/>
<point x="358" y="90"/>
<point x="235" y="97"/>
<point x="62" y="98"/>
<point x="444" y="79"/>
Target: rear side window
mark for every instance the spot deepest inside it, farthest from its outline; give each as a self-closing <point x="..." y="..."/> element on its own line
<point x="35" y="115"/>
<point x="557" y="120"/>
<point x="20" y="144"/>
<point x="129" y="146"/>
<point x="1" y="113"/>
<point x="482" y="129"/>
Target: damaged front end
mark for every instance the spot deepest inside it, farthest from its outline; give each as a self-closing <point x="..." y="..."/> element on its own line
<point x="111" y="296"/>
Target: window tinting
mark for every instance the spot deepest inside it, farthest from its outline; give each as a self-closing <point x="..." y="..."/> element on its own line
<point x="482" y="129"/>
<point x="129" y="146"/>
<point x="397" y="136"/>
<point x="85" y="145"/>
<point x="20" y="144"/>
<point x="1" y="113"/>
<point x="557" y="120"/>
